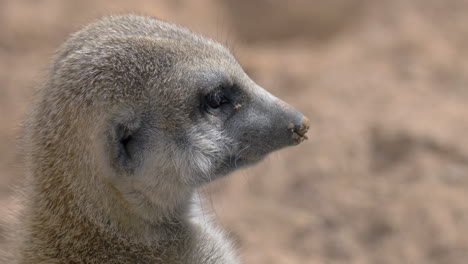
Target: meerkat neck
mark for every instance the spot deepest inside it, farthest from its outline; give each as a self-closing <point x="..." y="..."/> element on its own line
<point x="102" y="208"/>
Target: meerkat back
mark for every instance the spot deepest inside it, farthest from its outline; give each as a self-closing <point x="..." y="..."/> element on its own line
<point x="135" y="115"/>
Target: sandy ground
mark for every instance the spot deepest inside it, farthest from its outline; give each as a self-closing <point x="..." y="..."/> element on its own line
<point x="383" y="177"/>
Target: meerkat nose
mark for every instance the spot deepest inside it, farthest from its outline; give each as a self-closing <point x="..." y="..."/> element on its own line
<point x="299" y="128"/>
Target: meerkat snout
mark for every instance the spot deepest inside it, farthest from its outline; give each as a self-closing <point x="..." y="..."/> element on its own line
<point x="136" y="114"/>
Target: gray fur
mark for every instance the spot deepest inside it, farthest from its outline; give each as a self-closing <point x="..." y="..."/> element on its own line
<point x="128" y="124"/>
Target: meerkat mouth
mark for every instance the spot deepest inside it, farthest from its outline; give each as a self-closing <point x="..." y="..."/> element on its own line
<point x="234" y="162"/>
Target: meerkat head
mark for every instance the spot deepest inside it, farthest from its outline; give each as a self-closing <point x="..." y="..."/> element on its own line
<point x="161" y="109"/>
<point x="206" y="119"/>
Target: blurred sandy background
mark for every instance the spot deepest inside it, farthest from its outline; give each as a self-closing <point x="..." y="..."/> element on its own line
<point x="384" y="175"/>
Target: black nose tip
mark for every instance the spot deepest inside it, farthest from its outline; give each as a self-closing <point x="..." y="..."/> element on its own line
<point x="299" y="129"/>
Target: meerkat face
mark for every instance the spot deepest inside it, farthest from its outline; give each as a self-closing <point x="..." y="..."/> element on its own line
<point x="204" y="120"/>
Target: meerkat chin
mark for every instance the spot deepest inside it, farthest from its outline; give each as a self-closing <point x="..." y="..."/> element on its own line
<point x="134" y="115"/>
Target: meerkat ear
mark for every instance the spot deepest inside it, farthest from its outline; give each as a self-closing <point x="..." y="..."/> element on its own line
<point x="125" y="137"/>
<point x="125" y="143"/>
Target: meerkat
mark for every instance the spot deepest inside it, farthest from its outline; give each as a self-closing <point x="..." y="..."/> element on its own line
<point x="135" y="115"/>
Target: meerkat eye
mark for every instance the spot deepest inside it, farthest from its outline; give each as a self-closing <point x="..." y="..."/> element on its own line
<point x="216" y="99"/>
